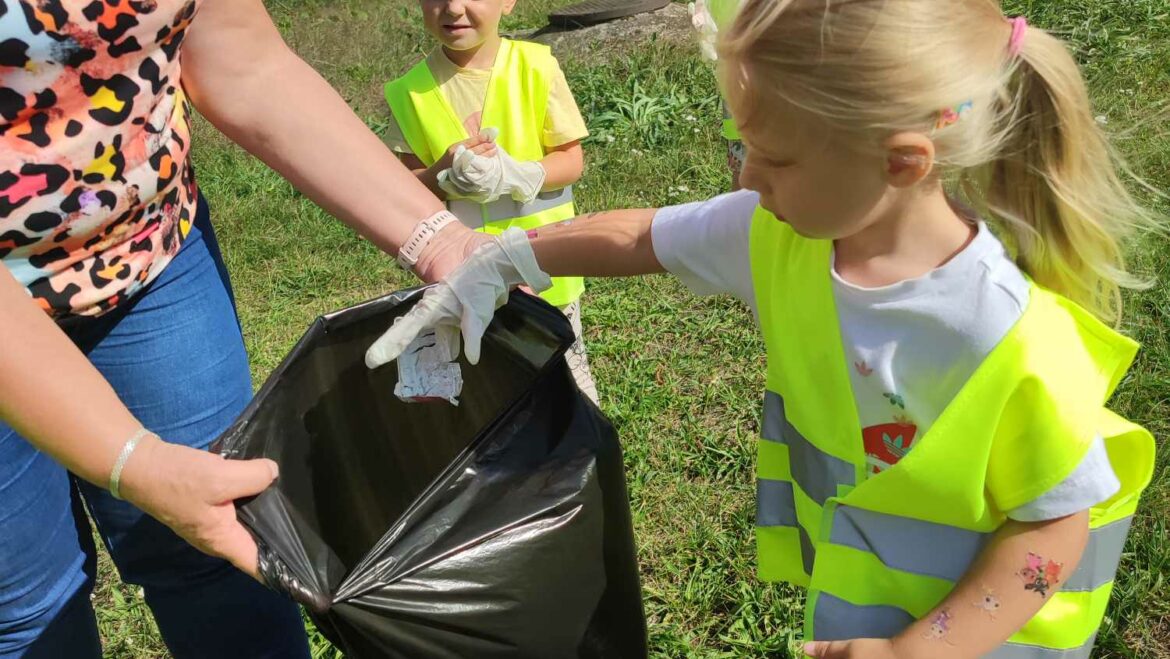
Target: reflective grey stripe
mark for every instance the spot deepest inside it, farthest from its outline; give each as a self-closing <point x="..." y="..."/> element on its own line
<point x="469" y="213"/>
<point x="808" y="553"/>
<point x="774" y="503"/>
<point x="1020" y="651"/>
<point x="506" y="208"/>
<point x="837" y="620"/>
<point x="816" y="472"/>
<point x="775" y="506"/>
<point x="943" y="551"/>
<point x="910" y="545"/>
<point x="1098" y="564"/>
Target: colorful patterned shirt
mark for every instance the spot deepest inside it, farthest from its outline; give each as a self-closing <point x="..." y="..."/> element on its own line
<point x="96" y="188"/>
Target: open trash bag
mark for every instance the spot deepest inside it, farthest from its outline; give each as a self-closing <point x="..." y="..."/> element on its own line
<point x="496" y="528"/>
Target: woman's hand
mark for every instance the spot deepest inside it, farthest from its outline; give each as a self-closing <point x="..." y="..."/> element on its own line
<point x="447" y="251"/>
<point x="466" y="300"/>
<point x="861" y="648"/>
<point x="193" y="491"/>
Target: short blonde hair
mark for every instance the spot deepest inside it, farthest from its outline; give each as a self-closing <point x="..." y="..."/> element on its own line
<point x="1028" y="153"/>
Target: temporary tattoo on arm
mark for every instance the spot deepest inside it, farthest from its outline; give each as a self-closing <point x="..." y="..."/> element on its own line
<point x="1040" y="576"/>
<point x="533" y="233"/>
<point x="940" y="626"/>
<point x="989" y="603"/>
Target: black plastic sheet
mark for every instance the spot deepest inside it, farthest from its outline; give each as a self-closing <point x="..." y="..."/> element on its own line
<point x="498" y="528"/>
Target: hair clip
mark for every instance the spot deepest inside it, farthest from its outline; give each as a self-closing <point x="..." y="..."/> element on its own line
<point x="951" y="116"/>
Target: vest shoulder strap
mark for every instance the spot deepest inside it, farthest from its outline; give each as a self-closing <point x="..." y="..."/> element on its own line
<point x="402" y="95"/>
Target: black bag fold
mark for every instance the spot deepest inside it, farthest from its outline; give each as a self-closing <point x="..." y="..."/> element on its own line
<point x="497" y="528"/>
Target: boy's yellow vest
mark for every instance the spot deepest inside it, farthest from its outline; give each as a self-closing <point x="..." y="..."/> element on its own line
<point x="878" y="553"/>
<point x="723" y="12"/>
<point x="517" y="98"/>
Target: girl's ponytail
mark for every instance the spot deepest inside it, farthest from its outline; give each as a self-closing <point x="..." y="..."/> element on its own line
<point x="1054" y="188"/>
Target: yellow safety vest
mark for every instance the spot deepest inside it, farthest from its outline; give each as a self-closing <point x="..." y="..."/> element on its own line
<point x="517" y="100"/>
<point x="723" y="12"/>
<point x="880" y="552"/>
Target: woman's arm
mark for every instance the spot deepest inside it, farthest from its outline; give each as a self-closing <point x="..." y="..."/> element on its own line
<point x="239" y="73"/>
<point x="54" y="397"/>
<point x="1016" y="574"/>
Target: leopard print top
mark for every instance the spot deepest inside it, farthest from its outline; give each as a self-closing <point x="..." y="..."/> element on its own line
<point x="96" y="188"/>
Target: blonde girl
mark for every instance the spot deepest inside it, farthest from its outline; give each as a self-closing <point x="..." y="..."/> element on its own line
<point x="936" y="461"/>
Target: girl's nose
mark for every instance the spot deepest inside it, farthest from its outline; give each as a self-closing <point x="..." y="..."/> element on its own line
<point x="749" y="176"/>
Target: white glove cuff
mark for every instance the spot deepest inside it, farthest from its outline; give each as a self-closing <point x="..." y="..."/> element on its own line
<point x="514" y="243"/>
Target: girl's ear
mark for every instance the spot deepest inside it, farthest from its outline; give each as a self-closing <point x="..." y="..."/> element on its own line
<point x="909" y="159"/>
<point x="509" y="5"/>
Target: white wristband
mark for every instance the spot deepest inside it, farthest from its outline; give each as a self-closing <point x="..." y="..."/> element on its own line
<point x="423" y="233"/>
<point x="120" y="463"/>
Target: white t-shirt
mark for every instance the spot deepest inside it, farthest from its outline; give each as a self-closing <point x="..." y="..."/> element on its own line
<point x="912" y="345"/>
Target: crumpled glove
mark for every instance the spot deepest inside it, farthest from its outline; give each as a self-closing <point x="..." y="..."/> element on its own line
<point x="473" y="177"/>
<point x="706" y="27"/>
<point x="466" y="300"/>
<point x="483" y="180"/>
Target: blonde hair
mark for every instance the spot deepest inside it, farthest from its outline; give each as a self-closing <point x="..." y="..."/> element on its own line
<point x="1028" y="153"/>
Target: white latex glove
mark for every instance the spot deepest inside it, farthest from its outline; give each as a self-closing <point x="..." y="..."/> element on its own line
<point x="706" y="27"/>
<point x="484" y="180"/>
<point x="466" y="300"/>
<point x="522" y="180"/>
<point x="473" y="177"/>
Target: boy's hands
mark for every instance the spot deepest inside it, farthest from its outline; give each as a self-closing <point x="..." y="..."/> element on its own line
<point x="483" y="144"/>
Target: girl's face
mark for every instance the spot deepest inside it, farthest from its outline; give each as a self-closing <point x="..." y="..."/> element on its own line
<point x="464" y="24"/>
<point x="812" y="179"/>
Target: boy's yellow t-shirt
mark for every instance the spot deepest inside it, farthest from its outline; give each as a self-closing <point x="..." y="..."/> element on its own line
<point x="466" y="89"/>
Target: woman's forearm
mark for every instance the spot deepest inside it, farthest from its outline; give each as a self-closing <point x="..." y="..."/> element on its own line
<point x="608" y="244"/>
<point x="52" y="395"/>
<point x="243" y="78"/>
<point x="1022" y="567"/>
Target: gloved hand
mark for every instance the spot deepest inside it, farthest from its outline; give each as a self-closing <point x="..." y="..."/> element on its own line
<point x="474" y="177"/>
<point x="485" y="179"/>
<point x="466" y="300"/>
<point x="706" y="27"/>
<point x="522" y="180"/>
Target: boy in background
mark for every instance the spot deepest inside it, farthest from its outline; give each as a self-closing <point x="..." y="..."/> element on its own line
<point x="490" y="126"/>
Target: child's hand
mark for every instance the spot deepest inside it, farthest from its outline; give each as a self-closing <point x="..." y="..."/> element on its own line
<point x="861" y="648"/>
<point x="480" y="145"/>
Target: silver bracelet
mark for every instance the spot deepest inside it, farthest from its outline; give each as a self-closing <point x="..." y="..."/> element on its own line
<point x="120" y="463"/>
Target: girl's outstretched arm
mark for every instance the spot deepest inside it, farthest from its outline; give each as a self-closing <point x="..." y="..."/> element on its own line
<point x="606" y="244"/>
<point x="1022" y="566"/>
<point x="610" y="244"/>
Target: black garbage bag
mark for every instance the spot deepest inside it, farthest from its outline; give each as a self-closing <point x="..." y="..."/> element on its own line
<point x="497" y="528"/>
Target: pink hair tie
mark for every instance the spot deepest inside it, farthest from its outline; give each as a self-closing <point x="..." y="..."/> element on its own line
<point x="1019" y="30"/>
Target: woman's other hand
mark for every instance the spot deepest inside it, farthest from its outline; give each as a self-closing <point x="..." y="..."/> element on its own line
<point x="193" y="492"/>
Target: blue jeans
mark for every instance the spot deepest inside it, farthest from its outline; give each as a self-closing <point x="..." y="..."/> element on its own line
<point x="176" y="357"/>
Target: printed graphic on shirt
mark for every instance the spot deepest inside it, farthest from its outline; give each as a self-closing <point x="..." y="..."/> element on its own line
<point x="96" y="194"/>
<point x="887" y="443"/>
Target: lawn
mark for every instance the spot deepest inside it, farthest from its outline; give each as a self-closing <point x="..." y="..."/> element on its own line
<point x="680" y="376"/>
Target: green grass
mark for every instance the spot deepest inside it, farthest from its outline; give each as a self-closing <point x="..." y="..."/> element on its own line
<point x="679" y="376"/>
